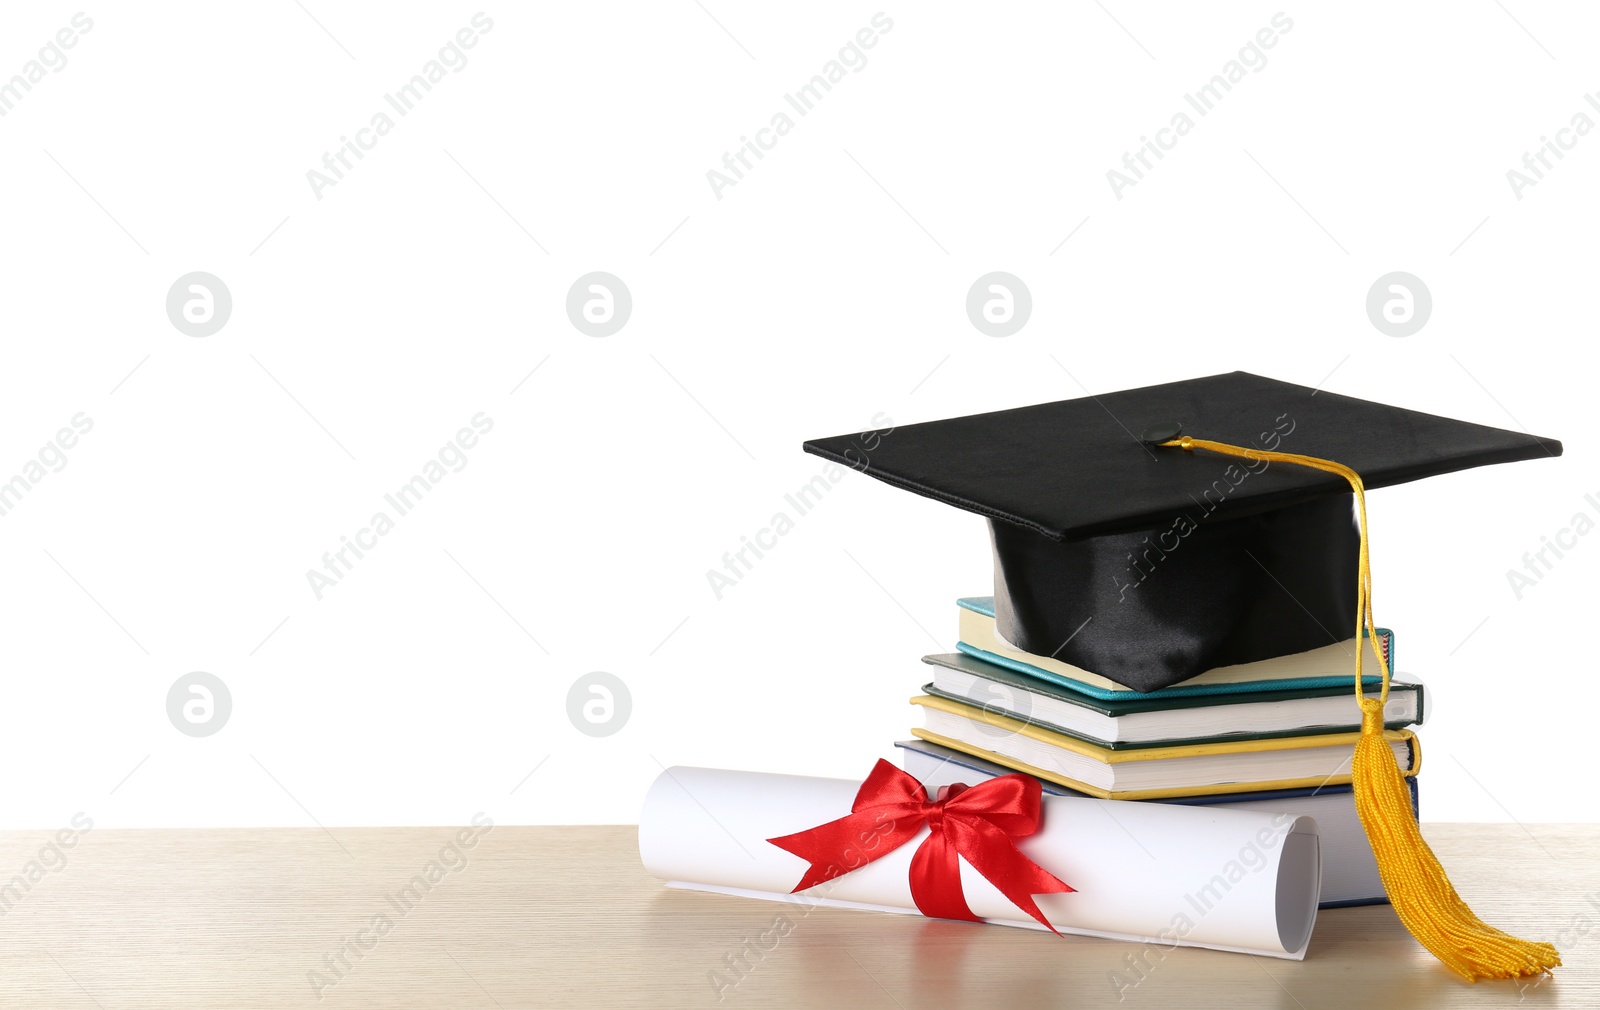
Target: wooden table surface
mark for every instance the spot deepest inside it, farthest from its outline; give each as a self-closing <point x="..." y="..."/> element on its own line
<point x="567" y="917"/>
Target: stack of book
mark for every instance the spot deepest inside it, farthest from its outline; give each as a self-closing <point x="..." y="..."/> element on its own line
<point x="1272" y="735"/>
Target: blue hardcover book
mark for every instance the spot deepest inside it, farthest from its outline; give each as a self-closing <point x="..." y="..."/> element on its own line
<point x="1349" y="873"/>
<point x="1329" y="666"/>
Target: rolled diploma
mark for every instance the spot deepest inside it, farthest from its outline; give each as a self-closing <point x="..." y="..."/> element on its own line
<point x="1165" y="874"/>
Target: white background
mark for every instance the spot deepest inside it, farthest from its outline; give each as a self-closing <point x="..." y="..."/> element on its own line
<point x="827" y="286"/>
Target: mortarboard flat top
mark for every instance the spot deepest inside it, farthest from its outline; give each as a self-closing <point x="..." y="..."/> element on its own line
<point x="1076" y="468"/>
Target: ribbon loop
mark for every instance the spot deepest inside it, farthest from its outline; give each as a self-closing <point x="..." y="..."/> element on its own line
<point x="977" y="822"/>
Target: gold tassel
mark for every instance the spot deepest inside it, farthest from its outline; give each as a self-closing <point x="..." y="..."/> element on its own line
<point x="1419" y="890"/>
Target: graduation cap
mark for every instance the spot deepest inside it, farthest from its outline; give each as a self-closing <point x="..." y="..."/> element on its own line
<point x="1148" y="566"/>
<point x="1153" y="534"/>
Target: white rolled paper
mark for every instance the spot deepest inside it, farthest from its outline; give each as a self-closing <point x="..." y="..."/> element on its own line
<point x="1195" y="876"/>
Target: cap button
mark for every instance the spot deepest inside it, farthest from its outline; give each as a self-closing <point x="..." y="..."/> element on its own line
<point x="1162" y="431"/>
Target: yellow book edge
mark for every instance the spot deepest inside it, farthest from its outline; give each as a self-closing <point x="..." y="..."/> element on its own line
<point x="1054" y="739"/>
<point x="1315" y="782"/>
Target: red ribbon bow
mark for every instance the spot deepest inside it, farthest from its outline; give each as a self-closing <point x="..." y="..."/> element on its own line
<point x="977" y="822"/>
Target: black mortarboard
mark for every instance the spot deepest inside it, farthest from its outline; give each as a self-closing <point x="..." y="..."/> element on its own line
<point x="1151" y="565"/>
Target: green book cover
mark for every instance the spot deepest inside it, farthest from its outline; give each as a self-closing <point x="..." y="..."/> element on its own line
<point x="1009" y="682"/>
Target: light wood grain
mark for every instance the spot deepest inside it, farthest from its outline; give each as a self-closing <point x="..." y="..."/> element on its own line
<point x="566" y="916"/>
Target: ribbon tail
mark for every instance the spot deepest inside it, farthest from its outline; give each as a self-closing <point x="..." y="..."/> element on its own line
<point x="992" y="853"/>
<point x="886" y="814"/>
<point x="849" y="843"/>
